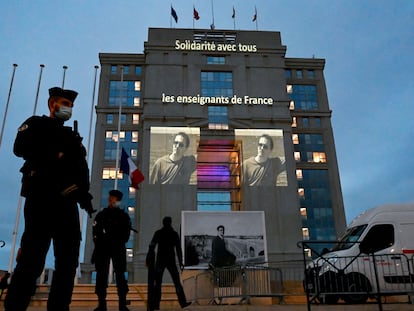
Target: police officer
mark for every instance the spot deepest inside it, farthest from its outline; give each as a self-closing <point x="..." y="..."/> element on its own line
<point x="55" y="179"/>
<point x="111" y="230"/>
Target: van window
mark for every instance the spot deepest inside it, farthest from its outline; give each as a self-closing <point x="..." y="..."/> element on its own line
<point x="378" y="237"/>
<point x="349" y="238"/>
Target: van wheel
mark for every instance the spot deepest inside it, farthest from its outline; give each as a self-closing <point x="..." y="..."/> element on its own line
<point x="328" y="287"/>
<point x="359" y="284"/>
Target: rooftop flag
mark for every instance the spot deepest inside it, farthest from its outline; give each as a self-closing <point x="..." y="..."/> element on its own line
<point x="234" y="13"/>
<point x="128" y="167"/>
<point x="195" y="14"/>
<point x="174" y="14"/>
<point x="255" y="15"/>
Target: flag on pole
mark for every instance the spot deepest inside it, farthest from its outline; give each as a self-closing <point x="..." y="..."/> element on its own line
<point x="128" y="167"/>
<point x="255" y="15"/>
<point x="174" y="14"/>
<point x="234" y="13"/>
<point x="195" y="14"/>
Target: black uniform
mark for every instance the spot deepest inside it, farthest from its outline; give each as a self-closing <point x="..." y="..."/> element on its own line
<point x="55" y="179"/>
<point x="111" y="231"/>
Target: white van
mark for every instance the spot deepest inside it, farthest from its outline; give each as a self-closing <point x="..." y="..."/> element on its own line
<point x="382" y="235"/>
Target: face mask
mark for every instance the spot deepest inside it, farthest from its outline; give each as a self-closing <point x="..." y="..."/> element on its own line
<point x="64" y="113"/>
<point x="117" y="204"/>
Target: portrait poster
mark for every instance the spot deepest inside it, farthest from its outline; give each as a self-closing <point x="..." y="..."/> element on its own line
<point x="173" y="155"/>
<point x="244" y="237"/>
<point x="263" y="157"/>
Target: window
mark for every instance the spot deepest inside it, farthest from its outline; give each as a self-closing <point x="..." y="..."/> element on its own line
<point x="138" y="70"/>
<point x="304" y="96"/>
<point x="299" y="175"/>
<point x="311" y="74"/>
<point x="319" y="157"/>
<point x="130" y="91"/>
<point x="137" y="101"/>
<point x="109" y="119"/>
<point x="292" y="105"/>
<point x="110" y="173"/>
<point x="135" y="118"/>
<point x="371" y="243"/>
<point x="134" y="136"/>
<point x="113" y="135"/>
<point x="305" y="233"/>
<point x="295" y="138"/>
<point x="126" y="69"/>
<point x="114" y="69"/>
<point x="288" y="73"/>
<point x="317" y="122"/>
<point x="294" y="123"/>
<point x="299" y="74"/>
<point x="216" y="60"/>
<point x="303" y="212"/>
<point x="301" y="192"/>
<point x="217" y="84"/>
<point x="213" y="201"/>
<point x="297" y="156"/>
<point x="305" y="122"/>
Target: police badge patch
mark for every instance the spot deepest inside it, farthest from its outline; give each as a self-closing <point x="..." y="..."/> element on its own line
<point x="23" y="127"/>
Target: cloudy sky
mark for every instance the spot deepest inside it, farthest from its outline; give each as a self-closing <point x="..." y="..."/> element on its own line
<point x="368" y="46"/>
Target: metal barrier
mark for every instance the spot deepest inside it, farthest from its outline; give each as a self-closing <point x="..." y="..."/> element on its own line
<point x="242" y="282"/>
<point x="355" y="279"/>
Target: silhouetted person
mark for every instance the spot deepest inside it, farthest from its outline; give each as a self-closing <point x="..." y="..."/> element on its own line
<point x="168" y="249"/>
<point x="111" y="230"/>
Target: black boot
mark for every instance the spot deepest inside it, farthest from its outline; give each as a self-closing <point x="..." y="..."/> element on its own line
<point x="101" y="305"/>
<point x="123" y="303"/>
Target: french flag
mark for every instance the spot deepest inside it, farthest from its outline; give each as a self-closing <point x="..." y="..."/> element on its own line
<point x="128" y="167"/>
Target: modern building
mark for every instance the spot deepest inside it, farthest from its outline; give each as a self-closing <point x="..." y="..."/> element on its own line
<point x="227" y="131"/>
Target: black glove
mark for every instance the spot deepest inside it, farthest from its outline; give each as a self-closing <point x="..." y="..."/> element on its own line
<point x="85" y="202"/>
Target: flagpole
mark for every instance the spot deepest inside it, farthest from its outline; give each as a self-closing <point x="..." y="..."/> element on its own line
<point x="234" y="18"/>
<point x="7" y="103"/>
<point x="257" y="23"/>
<point x="171" y="16"/>
<point x="15" y="230"/>
<point x="64" y="75"/>
<point x="193" y="16"/>
<point x="119" y="128"/>
<point x="38" y="88"/>
<point x="212" y="26"/>
<point x="91" y="116"/>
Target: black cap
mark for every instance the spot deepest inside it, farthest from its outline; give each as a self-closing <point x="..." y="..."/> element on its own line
<point x="59" y="92"/>
<point x="116" y="193"/>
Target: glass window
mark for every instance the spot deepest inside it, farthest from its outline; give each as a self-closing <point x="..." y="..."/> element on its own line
<point x="299" y="175"/>
<point x="299" y="74"/>
<point x="114" y="68"/>
<point x="129" y="93"/>
<point x="213" y="201"/>
<point x="138" y="70"/>
<point x="303" y="212"/>
<point x="135" y="118"/>
<point x="319" y="157"/>
<point x="218" y="118"/>
<point x="292" y="105"/>
<point x="297" y="156"/>
<point x="288" y="73"/>
<point x="137" y="85"/>
<point x="304" y="96"/>
<point x="110" y="173"/>
<point x="217" y="83"/>
<point x="305" y="233"/>
<point x="134" y="136"/>
<point x="113" y="135"/>
<point x="216" y="60"/>
<point x="109" y="119"/>
<point x="305" y="122"/>
<point x="311" y="74"/>
<point x="317" y="122"/>
<point x="137" y="101"/>
<point x="126" y="69"/>
<point x="295" y="138"/>
<point x="294" y="123"/>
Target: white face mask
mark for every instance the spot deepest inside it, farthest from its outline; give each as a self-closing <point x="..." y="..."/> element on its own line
<point x="117" y="204"/>
<point x="64" y="113"/>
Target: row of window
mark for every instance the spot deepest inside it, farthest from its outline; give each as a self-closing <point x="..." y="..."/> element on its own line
<point x="306" y="122"/>
<point x="125" y="118"/>
<point x="300" y="74"/>
<point x="127" y="69"/>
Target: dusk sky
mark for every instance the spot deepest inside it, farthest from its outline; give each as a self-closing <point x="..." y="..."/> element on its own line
<point x="368" y="46"/>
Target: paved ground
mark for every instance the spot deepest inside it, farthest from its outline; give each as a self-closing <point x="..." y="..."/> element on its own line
<point x="366" y="307"/>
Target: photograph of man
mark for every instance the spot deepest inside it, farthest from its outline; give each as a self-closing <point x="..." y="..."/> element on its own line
<point x="262" y="170"/>
<point x="111" y="230"/>
<point x="176" y="167"/>
<point x="220" y="255"/>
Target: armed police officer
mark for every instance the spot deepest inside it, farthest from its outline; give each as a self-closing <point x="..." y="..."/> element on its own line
<point x="55" y="179"/>
<point x="111" y="230"/>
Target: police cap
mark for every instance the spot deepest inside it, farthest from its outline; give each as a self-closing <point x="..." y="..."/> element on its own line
<point x="116" y="193"/>
<point x="59" y="92"/>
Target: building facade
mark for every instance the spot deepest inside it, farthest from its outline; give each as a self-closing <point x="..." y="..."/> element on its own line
<point x="222" y="124"/>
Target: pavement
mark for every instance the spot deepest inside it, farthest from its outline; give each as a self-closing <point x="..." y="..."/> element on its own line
<point x="285" y="307"/>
